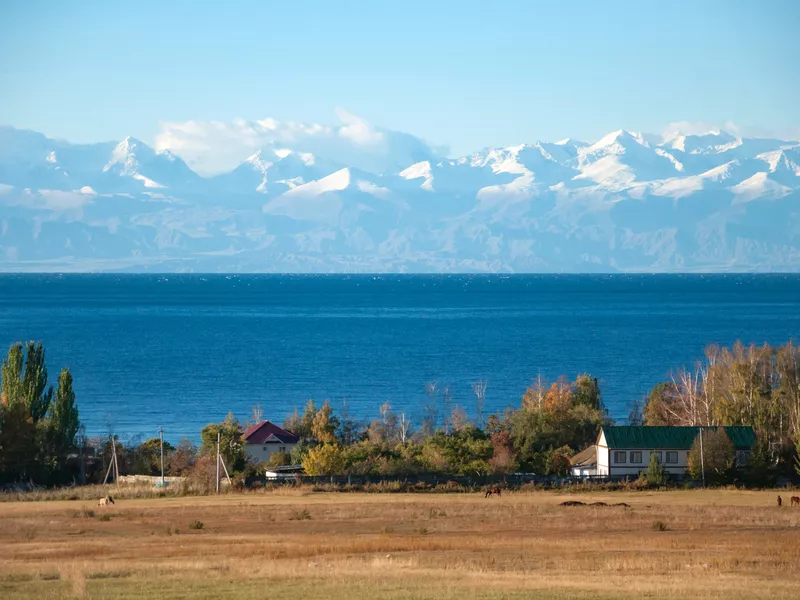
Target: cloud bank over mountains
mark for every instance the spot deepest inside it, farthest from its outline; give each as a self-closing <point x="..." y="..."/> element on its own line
<point x="214" y="147"/>
<point x="267" y="196"/>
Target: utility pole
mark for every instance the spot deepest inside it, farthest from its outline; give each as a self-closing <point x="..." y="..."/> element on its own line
<point x="161" y="437"/>
<point x="218" y="462"/>
<point x="702" y="459"/>
<point x="116" y="463"/>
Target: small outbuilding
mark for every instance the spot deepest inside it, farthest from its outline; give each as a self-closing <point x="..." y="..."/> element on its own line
<point x="584" y="464"/>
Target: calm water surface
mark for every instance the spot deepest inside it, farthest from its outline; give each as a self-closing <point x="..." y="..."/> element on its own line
<point x="179" y="351"/>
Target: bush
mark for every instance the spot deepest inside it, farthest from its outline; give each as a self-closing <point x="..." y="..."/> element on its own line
<point x="196" y="525"/>
<point x="326" y="459"/>
<point x="660" y="526"/>
<point x="656" y="475"/>
<point x="300" y="515"/>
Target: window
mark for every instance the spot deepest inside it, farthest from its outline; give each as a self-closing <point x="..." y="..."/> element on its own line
<point x="672" y="457"/>
<point x="636" y="457"/>
<point x="658" y="456"/>
<point x="619" y="457"/>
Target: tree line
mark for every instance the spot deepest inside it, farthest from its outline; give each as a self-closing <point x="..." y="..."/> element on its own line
<point x="755" y="385"/>
<point x="38" y="424"/>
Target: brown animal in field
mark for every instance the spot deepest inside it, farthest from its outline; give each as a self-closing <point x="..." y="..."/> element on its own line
<point x="495" y="491"/>
<point x="780" y="502"/>
<point x="105" y="501"/>
<point x="795" y="500"/>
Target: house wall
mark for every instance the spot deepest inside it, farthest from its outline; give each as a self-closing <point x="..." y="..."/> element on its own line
<point x="621" y="469"/>
<point x="603" y="463"/>
<point x="583" y="471"/>
<point x="258" y="453"/>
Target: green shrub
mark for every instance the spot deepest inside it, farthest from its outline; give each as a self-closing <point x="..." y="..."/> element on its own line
<point x="656" y="475"/>
<point x="196" y="525"/>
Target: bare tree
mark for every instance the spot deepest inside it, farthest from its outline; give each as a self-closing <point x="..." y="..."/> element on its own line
<point x="403" y="428"/>
<point x="431" y="412"/>
<point x="458" y="418"/>
<point x="447" y="396"/>
<point x="257" y="414"/>
<point x="479" y="387"/>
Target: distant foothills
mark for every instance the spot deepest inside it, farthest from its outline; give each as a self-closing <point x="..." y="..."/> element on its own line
<point x="42" y="442"/>
<point x="313" y="199"/>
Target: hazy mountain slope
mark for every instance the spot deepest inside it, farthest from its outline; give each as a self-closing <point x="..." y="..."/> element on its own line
<point x="630" y="202"/>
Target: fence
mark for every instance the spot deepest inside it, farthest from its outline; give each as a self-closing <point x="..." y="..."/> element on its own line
<point x="514" y="480"/>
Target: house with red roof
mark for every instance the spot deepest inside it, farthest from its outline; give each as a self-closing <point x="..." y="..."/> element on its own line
<point x="264" y="439"/>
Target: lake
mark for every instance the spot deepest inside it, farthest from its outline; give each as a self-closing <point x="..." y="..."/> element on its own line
<point x="180" y="351"/>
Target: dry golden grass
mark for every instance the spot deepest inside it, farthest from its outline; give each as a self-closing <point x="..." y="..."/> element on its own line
<point x="711" y="544"/>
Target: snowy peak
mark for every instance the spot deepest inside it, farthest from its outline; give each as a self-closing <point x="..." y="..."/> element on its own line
<point x="617" y="142"/>
<point x="335" y="182"/>
<point x="712" y="142"/>
<point x="628" y="201"/>
<point x="135" y="160"/>
<point x="421" y="170"/>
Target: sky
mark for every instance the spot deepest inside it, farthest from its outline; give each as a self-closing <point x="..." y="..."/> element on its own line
<point x="460" y="75"/>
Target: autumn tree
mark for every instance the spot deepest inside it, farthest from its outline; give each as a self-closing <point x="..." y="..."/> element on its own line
<point x="325" y="459"/>
<point x="279" y="459"/>
<point x="231" y="445"/>
<point x="183" y="458"/>
<point x="458" y="418"/>
<point x="323" y="425"/>
<point x="714" y="456"/>
<point x="504" y="458"/>
<point x="558" y="461"/>
<point x="148" y="456"/>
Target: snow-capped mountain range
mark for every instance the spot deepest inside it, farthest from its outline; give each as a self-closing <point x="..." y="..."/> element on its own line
<point x="627" y="202"/>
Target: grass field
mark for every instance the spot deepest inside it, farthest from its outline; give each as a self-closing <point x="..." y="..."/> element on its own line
<point x="677" y="544"/>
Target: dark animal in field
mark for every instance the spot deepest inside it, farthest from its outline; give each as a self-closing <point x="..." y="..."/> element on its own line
<point x="795" y="500"/>
<point x="780" y="501"/>
<point x="495" y="491"/>
<point x="572" y="503"/>
<point x="105" y="501"/>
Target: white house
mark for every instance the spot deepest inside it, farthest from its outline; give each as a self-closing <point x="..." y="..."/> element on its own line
<point x="264" y="439"/>
<point x="626" y="451"/>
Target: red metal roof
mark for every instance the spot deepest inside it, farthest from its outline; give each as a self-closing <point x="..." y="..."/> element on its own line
<point x="266" y="433"/>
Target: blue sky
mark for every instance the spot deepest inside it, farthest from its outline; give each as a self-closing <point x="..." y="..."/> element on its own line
<point x="460" y="74"/>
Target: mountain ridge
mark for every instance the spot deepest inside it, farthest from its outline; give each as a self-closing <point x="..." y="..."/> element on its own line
<point x="628" y="202"/>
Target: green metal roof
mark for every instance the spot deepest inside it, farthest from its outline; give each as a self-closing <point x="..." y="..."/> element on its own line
<point x="680" y="438"/>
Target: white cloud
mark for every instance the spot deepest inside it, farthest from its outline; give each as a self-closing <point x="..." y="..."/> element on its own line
<point x="356" y="129"/>
<point x="212" y="147"/>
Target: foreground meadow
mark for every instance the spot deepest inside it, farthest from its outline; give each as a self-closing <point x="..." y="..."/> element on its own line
<point x="678" y="544"/>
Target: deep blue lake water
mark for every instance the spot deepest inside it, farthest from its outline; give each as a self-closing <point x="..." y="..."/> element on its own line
<point x="180" y="351"/>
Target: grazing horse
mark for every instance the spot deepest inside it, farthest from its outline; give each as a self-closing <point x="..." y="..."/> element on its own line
<point x="795" y="500"/>
<point x="780" y="502"/>
<point x="105" y="501"/>
<point x="492" y="491"/>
